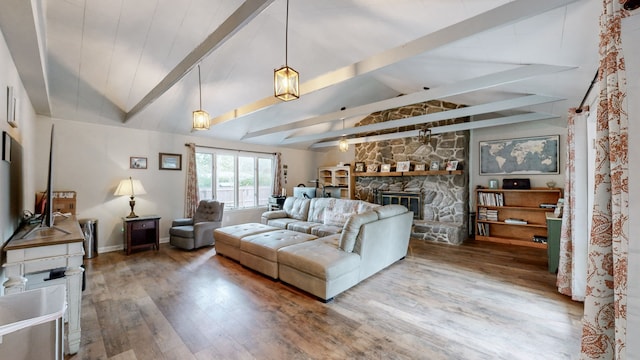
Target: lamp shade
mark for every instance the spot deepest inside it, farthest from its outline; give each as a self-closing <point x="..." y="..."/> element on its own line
<point x="285" y="82"/>
<point x="129" y="187"/>
<point x="343" y="145"/>
<point x="201" y="120"/>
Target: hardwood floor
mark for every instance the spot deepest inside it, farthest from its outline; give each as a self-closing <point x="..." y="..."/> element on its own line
<point x="475" y="301"/>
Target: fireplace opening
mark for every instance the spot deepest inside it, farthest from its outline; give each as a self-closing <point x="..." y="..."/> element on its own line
<point x="410" y="200"/>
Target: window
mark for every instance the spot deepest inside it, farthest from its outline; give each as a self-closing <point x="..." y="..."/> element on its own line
<point x="239" y="180"/>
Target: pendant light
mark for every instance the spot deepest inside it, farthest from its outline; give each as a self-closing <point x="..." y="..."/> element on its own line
<point x="343" y="145"/>
<point x="285" y="79"/>
<point x="201" y="119"/>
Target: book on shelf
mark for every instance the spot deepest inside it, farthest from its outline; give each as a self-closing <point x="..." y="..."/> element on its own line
<point x="483" y="229"/>
<point x="548" y="206"/>
<point x="515" y="221"/>
<point x="490" y="199"/>
<point x="539" y="239"/>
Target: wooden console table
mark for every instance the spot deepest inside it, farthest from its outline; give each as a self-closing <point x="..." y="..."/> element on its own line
<point x="29" y="264"/>
<point x="141" y="232"/>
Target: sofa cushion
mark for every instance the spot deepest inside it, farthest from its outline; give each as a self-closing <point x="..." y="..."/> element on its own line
<point x="320" y="258"/>
<point x="296" y="208"/>
<point x="317" y="206"/>
<point x="281" y="223"/>
<point x="302" y="226"/>
<point x="352" y="228"/>
<point x="336" y="217"/>
<point x="185" y="231"/>
<point x="325" y="230"/>
<point x="389" y="211"/>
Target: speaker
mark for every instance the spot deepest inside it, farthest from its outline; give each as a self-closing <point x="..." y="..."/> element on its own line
<point x="516" y="184"/>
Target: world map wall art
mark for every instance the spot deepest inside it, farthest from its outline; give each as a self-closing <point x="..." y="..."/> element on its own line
<point x="531" y="155"/>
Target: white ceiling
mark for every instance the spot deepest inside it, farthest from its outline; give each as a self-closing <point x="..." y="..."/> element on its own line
<point x="99" y="60"/>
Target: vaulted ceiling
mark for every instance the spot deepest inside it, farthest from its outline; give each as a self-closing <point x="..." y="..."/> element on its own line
<point x="134" y="63"/>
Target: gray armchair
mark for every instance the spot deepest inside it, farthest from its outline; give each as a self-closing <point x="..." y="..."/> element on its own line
<point x="193" y="233"/>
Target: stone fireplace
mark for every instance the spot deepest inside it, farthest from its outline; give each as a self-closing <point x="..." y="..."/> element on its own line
<point x="442" y="197"/>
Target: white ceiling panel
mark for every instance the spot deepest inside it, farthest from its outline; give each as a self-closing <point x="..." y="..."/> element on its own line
<point x="104" y="57"/>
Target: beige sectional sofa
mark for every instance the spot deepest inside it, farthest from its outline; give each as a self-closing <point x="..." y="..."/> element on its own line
<point x="321" y="258"/>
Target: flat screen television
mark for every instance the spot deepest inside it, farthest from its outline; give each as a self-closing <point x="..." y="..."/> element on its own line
<point x="307" y="192"/>
<point x="11" y="188"/>
<point x="47" y="217"/>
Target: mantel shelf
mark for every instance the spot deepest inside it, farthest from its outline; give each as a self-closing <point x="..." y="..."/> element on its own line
<point x="411" y="173"/>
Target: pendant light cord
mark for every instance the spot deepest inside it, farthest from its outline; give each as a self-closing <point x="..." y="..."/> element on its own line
<point x="286" y="37"/>
<point x="200" y="86"/>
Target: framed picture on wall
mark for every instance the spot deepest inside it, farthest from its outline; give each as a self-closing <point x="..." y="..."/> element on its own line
<point x="530" y="156"/>
<point x="170" y="161"/>
<point x="137" y="162"/>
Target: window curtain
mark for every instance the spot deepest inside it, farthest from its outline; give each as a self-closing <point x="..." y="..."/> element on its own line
<point x="605" y="308"/>
<point x="572" y="269"/>
<point x="278" y="182"/>
<point x="191" y="196"/>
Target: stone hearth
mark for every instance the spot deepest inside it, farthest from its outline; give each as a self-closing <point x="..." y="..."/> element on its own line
<point x="445" y="198"/>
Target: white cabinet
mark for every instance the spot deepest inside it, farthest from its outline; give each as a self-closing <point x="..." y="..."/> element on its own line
<point x="338" y="181"/>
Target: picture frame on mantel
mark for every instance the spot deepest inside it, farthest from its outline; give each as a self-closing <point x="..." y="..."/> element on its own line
<point x="170" y="161"/>
<point x="359" y="167"/>
<point x="419" y="167"/>
<point x="435" y="165"/>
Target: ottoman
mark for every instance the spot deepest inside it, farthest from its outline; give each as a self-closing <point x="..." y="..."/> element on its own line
<point x="260" y="252"/>
<point x="227" y="239"/>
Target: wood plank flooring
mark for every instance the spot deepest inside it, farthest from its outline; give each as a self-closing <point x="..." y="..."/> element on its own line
<point x="475" y="301"/>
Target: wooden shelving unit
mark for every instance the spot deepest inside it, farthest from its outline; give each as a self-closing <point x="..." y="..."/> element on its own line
<point x="337" y="178"/>
<point x="514" y="204"/>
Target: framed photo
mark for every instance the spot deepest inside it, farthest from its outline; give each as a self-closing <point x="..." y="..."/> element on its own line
<point x="170" y="161"/>
<point x="385" y="168"/>
<point x="11" y="107"/>
<point x="435" y="165"/>
<point x="403" y="166"/>
<point x="452" y="165"/>
<point x="359" y="167"/>
<point x="493" y="184"/>
<point x="531" y="155"/>
<point x="419" y="167"/>
<point x="6" y="146"/>
<point x="137" y="162"/>
<point x="372" y="168"/>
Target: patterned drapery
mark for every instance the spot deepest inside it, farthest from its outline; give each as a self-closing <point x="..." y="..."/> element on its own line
<point x="191" y="196"/>
<point x="605" y="310"/>
<point x="574" y="236"/>
<point x="277" y="174"/>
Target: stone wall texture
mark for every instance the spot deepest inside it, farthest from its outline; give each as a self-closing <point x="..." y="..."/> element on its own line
<point x="444" y="197"/>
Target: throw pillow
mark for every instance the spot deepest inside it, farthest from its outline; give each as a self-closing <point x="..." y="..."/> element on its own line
<point x="335" y="218"/>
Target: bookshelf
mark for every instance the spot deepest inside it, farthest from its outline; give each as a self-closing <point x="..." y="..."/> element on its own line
<point x="514" y="216"/>
<point x="337" y="178"/>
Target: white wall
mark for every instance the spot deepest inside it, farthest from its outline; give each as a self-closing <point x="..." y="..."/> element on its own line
<point x="91" y="159"/>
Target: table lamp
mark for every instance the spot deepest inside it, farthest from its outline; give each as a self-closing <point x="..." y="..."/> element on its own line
<point x="130" y="187"/>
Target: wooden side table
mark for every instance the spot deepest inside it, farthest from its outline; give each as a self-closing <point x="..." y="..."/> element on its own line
<point x="141" y="232"/>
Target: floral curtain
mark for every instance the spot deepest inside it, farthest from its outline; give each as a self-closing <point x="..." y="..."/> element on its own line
<point x="191" y="196"/>
<point x="605" y="310"/>
<point x="574" y="235"/>
<point x="277" y="174"/>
